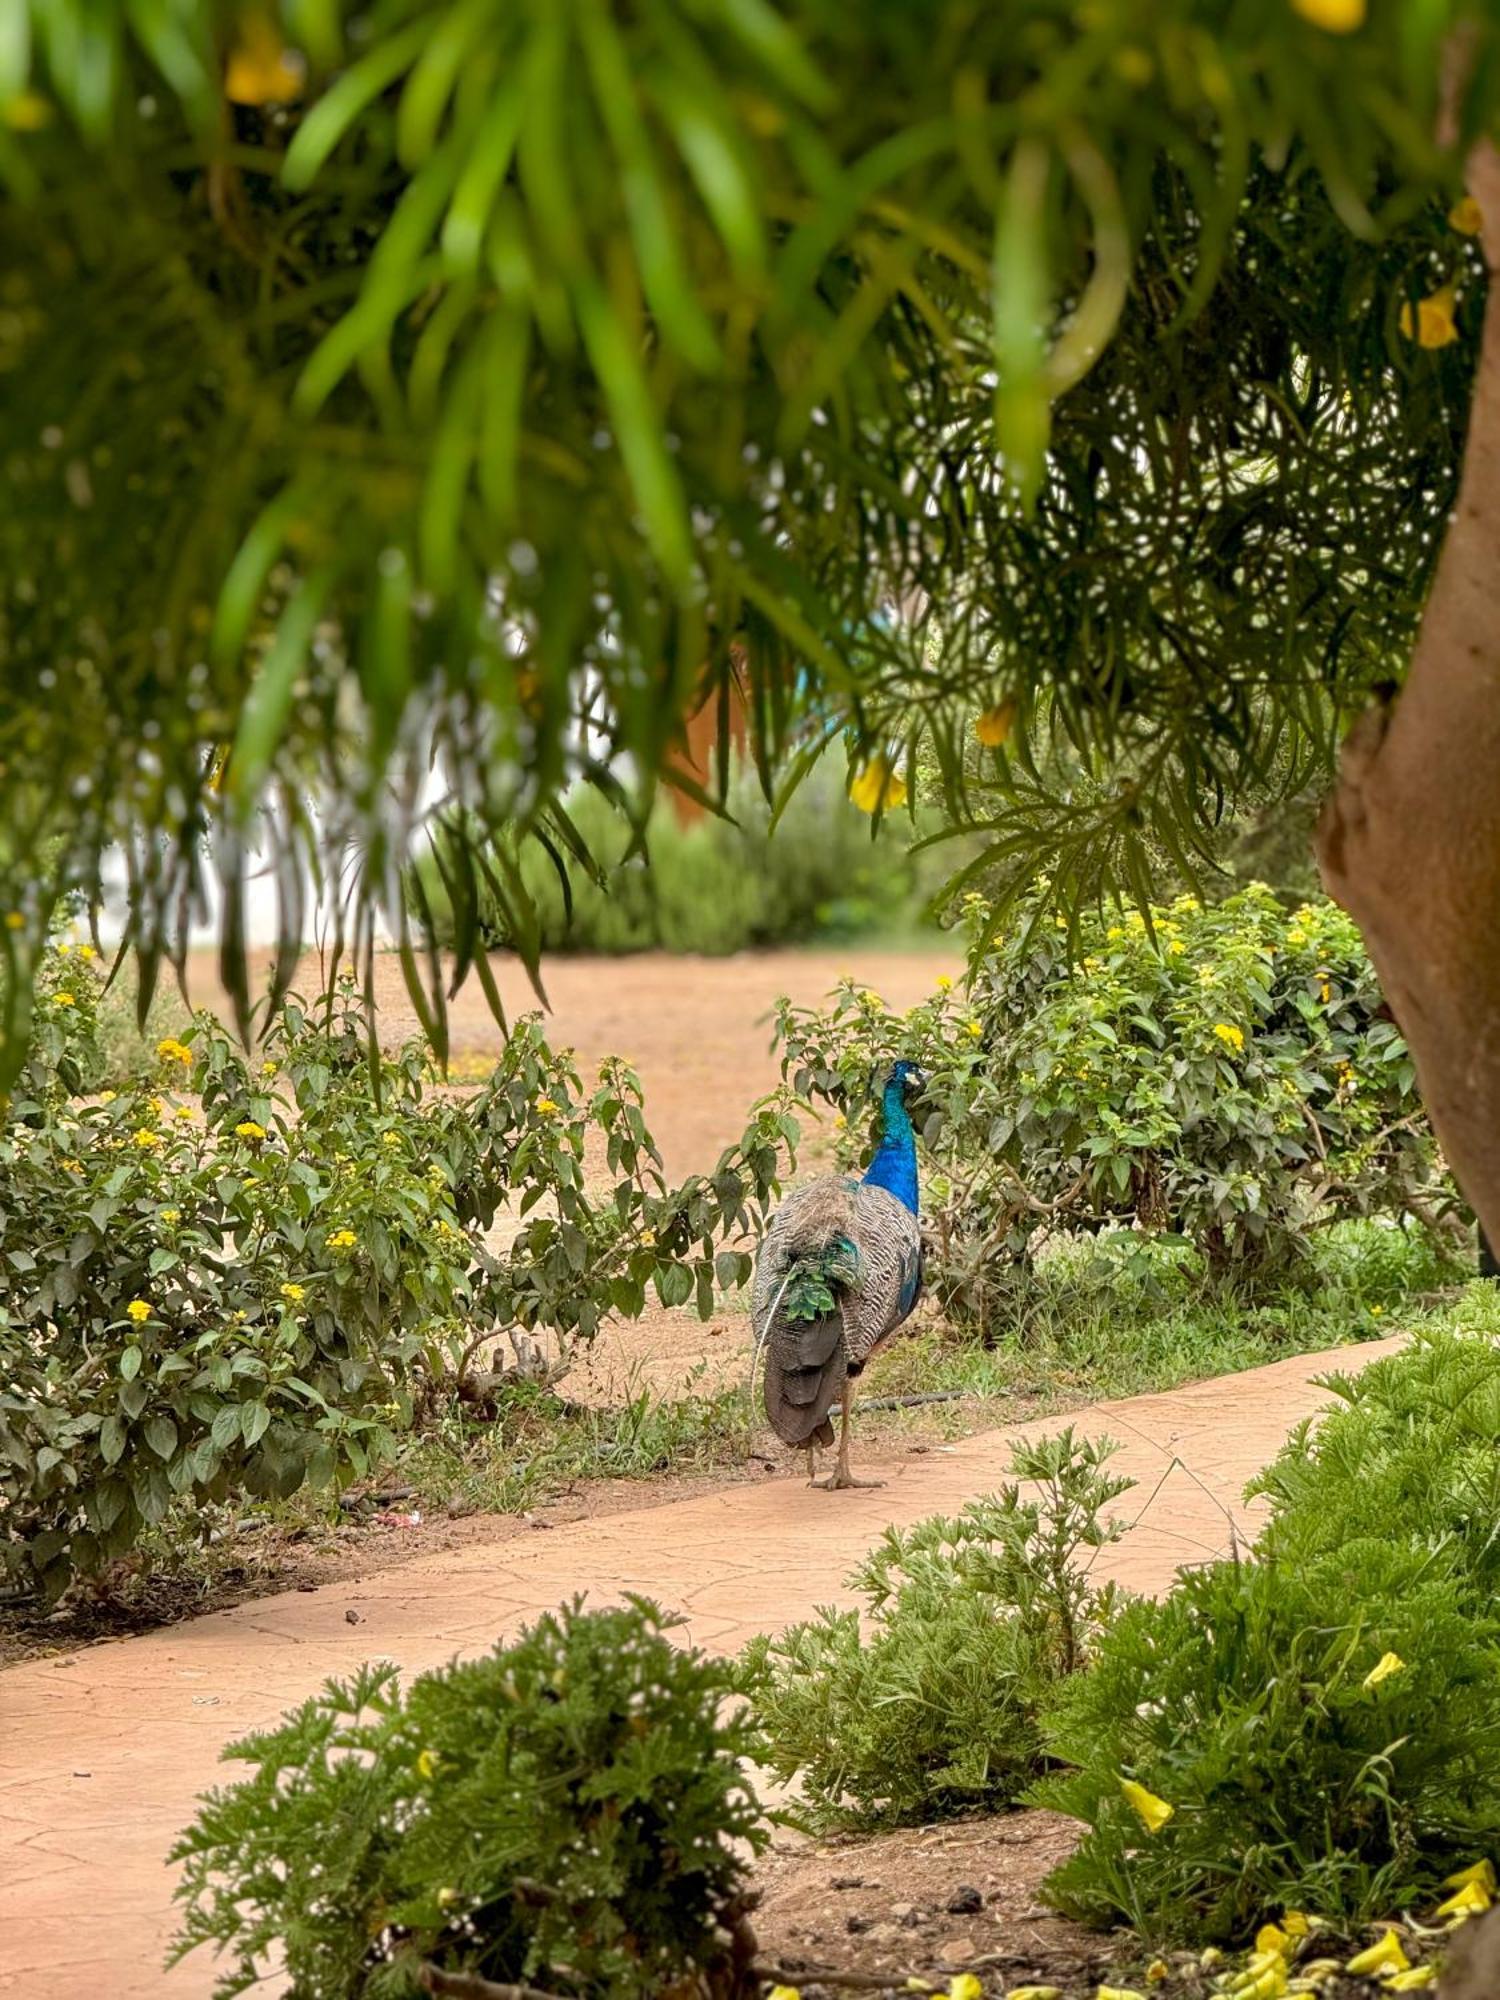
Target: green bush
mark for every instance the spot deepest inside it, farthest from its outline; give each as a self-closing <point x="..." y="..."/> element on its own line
<point x="1412" y="1445"/>
<point x="256" y="1274"/>
<point x="1226" y="1083"/>
<point x="926" y="1703"/>
<point x="719" y="886"/>
<point x="571" y="1812"/>
<point x="1323" y="1719"/>
<point x="1252" y="1701"/>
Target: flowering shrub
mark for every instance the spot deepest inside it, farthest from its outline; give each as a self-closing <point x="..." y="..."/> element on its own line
<point x="571" y="1811"/>
<point x="253" y="1275"/>
<point x="1319" y="1726"/>
<point x="927" y="1701"/>
<point x="1225" y="1077"/>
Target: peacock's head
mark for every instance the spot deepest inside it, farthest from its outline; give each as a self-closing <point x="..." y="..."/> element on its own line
<point x="908" y="1075"/>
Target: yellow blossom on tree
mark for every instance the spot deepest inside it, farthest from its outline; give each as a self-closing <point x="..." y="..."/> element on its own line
<point x="1335" y="17"/>
<point x="1384" y="1957"/>
<point x="342" y="1239"/>
<point x="87" y="952"/>
<point x="171" y="1050"/>
<point x="390" y="1138"/>
<point x="944" y="983"/>
<point x="1152" y="1812"/>
<point x="268" y="1068"/>
<point x="145" y="1138"/>
<point x="1433" y="324"/>
<point x="878" y="787"/>
<point x="63" y="1000"/>
<point x="293" y="1293"/>
<point x="139" y="1310"/>
<point x="995" y="725"/>
<point x="1466" y="216"/>
<point x="1231" y="1036"/>
<point x="170" y="1215"/>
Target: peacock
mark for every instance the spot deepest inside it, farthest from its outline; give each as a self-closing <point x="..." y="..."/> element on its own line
<point x="838" y="1271"/>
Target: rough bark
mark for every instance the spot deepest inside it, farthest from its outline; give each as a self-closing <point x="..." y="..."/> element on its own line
<point x="1409" y="842"/>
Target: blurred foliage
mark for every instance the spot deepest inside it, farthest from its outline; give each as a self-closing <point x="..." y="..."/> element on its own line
<point x="464" y="390"/>
<point x="718" y="884"/>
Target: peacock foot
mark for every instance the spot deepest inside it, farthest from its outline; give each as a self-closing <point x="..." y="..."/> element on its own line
<point x="841" y="1480"/>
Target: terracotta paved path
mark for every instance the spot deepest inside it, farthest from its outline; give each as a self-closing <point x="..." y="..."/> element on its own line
<point x="103" y="1751"/>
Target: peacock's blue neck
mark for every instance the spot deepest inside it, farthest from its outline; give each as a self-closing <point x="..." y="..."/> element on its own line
<point x="894" y="1166"/>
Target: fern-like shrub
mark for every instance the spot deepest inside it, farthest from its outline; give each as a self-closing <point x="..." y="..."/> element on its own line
<point x="1304" y="1767"/>
<point x="1323" y="1719"/>
<point x="926" y="1702"/>
<point x="570" y="1812"/>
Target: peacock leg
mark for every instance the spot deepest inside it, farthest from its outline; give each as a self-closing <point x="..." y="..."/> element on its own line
<point x="812" y="1464"/>
<point x="841" y="1477"/>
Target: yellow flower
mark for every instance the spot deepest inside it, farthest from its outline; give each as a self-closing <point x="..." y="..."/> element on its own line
<point x="1376" y="1311"/>
<point x="268" y="1068"/>
<point x="261" y="68"/>
<point x="1412" y="1980"/>
<point x="63" y="949"/>
<point x="1271" y="1937"/>
<point x="995" y="725"/>
<point x="1466" y="216"/>
<point x="293" y="1293"/>
<point x="1384" y="1667"/>
<point x="1263" y="1977"/>
<point x="1176" y="947"/>
<point x="547" y="1107"/>
<point x="171" y="1050"/>
<point x="248" y="1129"/>
<point x="170" y="1215"/>
<point x="63" y="1000"/>
<point x="1152" y="1812"/>
<point x="184" y="1111"/>
<point x="145" y="1138"/>
<point x="1335" y="17"/>
<point x="785" y="1993"/>
<point x="1295" y="1924"/>
<point x="428" y="1762"/>
<point x="1114" y="934"/>
<point x="342" y="1239"/>
<point x="1468" y="1901"/>
<point x="447" y="1898"/>
<point x="944" y="983"/>
<point x="390" y="1138"/>
<point x="14" y="921"/>
<point x="87" y="952"/>
<point x="878" y="787"/>
<point x="648" y="1237"/>
<point x="106" y="1097"/>
<point x="964" y="1986"/>
<point x="1230" y="1036"/>
<point x="1386" y="1956"/>
<point x="72" y="1166"/>
<point x="1481" y="1872"/>
<point x="974" y="1029"/>
<point x="1157" y="1971"/>
<point x="139" y="1310"/>
<point x="1433" y="325"/>
<point x="1296" y="936"/>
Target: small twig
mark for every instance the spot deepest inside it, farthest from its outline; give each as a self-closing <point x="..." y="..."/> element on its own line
<point x="854" y="1982"/>
<point x="470" y="1986"/>
<point x="903" y="1402"/>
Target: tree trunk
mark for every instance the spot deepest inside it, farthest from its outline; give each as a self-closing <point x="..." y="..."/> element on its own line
<point x="1409" y="842"/>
